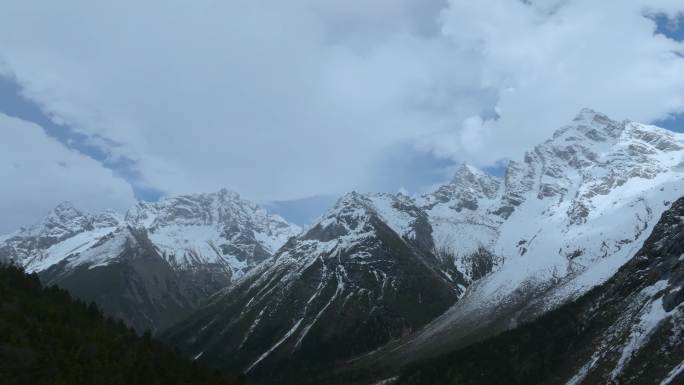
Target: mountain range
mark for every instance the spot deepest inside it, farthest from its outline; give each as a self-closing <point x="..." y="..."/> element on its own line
<point x="383" y="282"/>
<point x="155" y="264"/>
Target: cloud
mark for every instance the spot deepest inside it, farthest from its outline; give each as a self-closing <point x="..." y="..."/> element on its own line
<point x="37" y="173"/>
<point x="281" y="100"/>
<point x="547" y="59"/>
<point x="276" y="100"/>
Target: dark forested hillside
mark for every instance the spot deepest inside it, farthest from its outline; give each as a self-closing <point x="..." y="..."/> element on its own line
<point x="48" y="338"/>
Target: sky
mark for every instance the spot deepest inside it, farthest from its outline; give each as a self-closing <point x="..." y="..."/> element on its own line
<point x="291" y="103"/>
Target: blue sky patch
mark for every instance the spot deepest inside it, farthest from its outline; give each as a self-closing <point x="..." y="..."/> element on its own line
<point x="672" y="28"/>
<point x="674" y="123"/>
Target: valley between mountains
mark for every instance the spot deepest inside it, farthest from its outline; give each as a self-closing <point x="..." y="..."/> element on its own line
<point x="568" y="269"/>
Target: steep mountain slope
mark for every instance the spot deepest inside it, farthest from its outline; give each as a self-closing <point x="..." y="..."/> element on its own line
<point x="459" y="213"/>
<point x="344" y="287"/>
<point x="154" y="265"/>
<point x="126" y="275"/>
<point x="563" y="221"/>
<point x="626" y="331"/>
<point x="48" y="338"/>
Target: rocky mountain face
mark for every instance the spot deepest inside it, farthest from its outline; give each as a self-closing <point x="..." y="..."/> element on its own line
<point x="625" y="331"/>
<point x="347" y="285"/>
<point x="156" y="263"/>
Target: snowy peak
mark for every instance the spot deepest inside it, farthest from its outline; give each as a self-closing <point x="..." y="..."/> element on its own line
<point x="349" y="217"/>
<point x="359" y="215"/>
<point x="66" y="217"/>
<point x="350" y="207"/>
<point x="591" y="125"/>
<point x="63" y="220"/>
<point x="63" y="212"/>
<point x="223" y="208"/>
<point x="594" y="132"/>
<point x="193" y="209"/>
<point x="594" y="151"/>
<point x="476" y="180"/>
<point x="469" y="190"/>
<point x="213" y="225"/>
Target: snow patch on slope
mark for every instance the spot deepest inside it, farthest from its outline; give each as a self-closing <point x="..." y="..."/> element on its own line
<point x="74" y="245"/>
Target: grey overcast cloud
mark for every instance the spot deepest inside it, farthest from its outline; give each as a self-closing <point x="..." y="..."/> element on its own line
<point x="281" y="100"/>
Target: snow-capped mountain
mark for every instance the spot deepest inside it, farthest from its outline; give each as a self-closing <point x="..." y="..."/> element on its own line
<point x="347" y="285"/>
<point x="588" y="170"/>
<point x="564" y="220"/>
<point x="218" y="228"/>
<point x="203" y="242"/>
<point x="63" y="231"/>
<point x="559" y="222"/>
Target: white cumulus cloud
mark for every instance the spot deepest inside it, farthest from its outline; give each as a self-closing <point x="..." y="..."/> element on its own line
<point x="281" y="99"/>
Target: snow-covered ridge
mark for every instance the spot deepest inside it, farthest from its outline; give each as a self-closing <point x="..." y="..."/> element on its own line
<point x="189" y="231"/>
